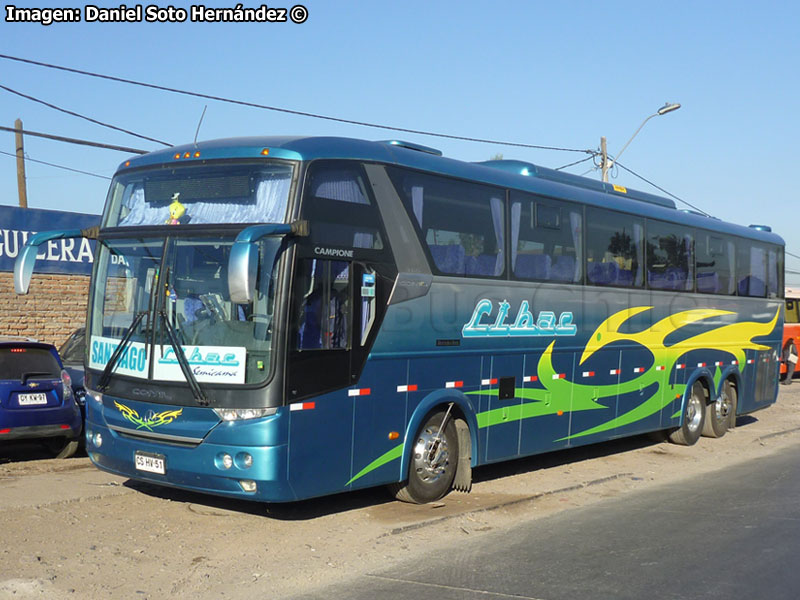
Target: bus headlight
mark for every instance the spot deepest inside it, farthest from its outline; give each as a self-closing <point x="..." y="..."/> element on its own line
<point x="242" y="414"/>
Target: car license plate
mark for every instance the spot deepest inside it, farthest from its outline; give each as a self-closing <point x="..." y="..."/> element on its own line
<point x="32" y="399"/>
<point x="152" y="463"/>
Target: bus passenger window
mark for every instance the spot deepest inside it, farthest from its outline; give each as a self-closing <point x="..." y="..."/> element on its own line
<point x="715" y="261"/>
<point x="323" y="308"/>
<point x="751" y="269"/>
<point x="669" y="257"/>
<point x="613" y="249"/>
<point x="462" y="224"/>
<point x="546" y="238"/>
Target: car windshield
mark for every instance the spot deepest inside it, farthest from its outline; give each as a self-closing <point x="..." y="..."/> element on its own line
<point x="73" y="349"/>
<point x="18" y="361"/>
<point x="182" y="280"/>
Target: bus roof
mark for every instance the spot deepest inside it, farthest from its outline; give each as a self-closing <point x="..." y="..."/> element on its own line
<point x="506" y="173"/>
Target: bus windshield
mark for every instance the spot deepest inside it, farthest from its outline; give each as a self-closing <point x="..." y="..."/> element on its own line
<point x="181" y="280"/>
<point x="229" y="192"/>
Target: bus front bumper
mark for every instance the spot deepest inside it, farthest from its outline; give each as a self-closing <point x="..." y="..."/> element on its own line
<point x="249" y="473"/>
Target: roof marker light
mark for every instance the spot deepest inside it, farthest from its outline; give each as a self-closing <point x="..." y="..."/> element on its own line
<point x="187" y="155"/>
<point x="177" y="155"/>
<point x="265" y="152"/>
<point x="197" y="154"/>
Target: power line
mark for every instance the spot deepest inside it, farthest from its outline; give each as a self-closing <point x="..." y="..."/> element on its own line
<point x="56" y="166"/>
<point x="662" y="189"/>
<point x="80" y="116"/>
<point x="287" y="110"/>
<point x="70" y="140"/>
<point x="577" y="162"/>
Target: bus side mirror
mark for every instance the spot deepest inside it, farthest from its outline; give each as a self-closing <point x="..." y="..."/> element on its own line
<point x="242" y="272"/>
<point x="243" y="259"/>
<point x="23" y="266"/>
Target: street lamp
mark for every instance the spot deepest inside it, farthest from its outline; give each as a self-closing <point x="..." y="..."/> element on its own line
<point x="607" y="164"/>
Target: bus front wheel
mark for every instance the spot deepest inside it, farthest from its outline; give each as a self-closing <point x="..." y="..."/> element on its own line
<point x="434" y="458"/>
<point x="694" y="416"/>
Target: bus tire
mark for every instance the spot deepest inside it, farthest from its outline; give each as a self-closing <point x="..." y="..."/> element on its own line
<point x="694" y="417"/>
<point x="433" y="463"/>
<point x="721" y="412"/>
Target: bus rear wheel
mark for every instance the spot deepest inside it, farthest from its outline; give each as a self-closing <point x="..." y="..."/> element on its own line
<point x="434" y="458"/>
<point x="721" y="413"/>
<point x="694" y="416"/>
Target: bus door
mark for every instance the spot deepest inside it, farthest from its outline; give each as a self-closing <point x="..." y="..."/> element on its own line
<point x="318" y="373"/>
<point x="334" y="410"/>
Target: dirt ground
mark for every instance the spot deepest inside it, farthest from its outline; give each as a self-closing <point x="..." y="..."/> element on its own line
<point x="70" y="531"/>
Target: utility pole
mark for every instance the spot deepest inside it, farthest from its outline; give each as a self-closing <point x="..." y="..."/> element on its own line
<point x="604" y="158"/>
<point x="23" y="193"/>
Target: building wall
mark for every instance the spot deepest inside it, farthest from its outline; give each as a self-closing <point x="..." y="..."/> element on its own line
<point x="53" y="308"/>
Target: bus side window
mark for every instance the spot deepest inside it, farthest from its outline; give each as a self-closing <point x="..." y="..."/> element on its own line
<point x="323" y="309"/>
<point x="339" y="207"/>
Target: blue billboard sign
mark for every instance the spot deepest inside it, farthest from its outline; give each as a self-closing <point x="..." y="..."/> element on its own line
<point x="72" y="256"/>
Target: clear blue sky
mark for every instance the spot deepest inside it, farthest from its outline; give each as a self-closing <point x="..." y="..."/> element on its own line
<point x="547" y="73"/>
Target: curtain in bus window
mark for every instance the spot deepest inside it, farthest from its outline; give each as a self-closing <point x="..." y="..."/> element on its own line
<point x="516" y="211"/>
<point x="575" y="224"/>
<point x="497" y="221"/>
<point x="268" y="205"/>
<point x="338" y="184"/>
<point x="416" y="203"/>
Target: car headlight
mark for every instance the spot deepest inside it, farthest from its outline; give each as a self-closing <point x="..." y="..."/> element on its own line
<point x="242" y="414"/>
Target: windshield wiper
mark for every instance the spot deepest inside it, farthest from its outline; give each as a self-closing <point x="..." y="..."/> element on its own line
<point x="197" y="392"/>
<point x="102" y="384"/>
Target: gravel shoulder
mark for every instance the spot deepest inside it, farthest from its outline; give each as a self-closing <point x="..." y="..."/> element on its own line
<point x="71" y="531"/>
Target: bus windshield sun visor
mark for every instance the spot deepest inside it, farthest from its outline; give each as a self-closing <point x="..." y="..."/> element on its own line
<point x="23" y="267"/>
<point x="243" y="260"/>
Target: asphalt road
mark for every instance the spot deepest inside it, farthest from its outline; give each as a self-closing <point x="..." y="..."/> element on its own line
<point x="731" y="534"/>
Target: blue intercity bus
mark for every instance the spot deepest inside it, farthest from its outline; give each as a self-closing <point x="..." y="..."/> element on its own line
<point x="282" y="318"/>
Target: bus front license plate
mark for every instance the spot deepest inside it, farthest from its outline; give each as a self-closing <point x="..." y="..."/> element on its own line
<point x="151" y="463"/>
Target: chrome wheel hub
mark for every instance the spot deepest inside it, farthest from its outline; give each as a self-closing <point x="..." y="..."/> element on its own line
<point x="431" y="455"/>
<point x="694" y="413"/>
